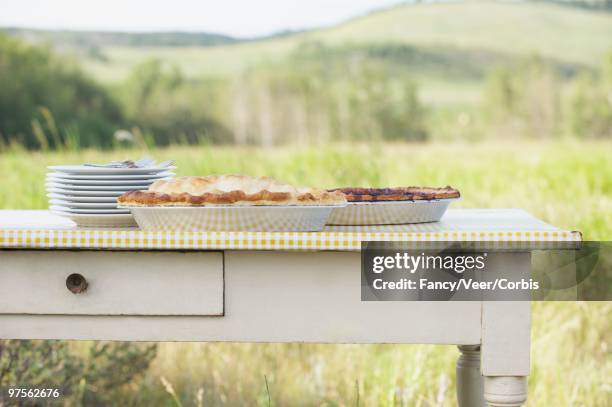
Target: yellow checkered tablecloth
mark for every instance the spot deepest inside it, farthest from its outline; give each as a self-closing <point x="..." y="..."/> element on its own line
<point x="515" y="228"/>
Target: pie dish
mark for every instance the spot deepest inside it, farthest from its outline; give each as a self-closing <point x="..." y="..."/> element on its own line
<point x="233" y="190"/>
<point x="392" y="206"/>
<point x="397" y="194"/>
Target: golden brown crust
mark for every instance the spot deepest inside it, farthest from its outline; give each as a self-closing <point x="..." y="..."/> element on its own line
<point x="398" y="194"/>
<point x="227" y="190"/>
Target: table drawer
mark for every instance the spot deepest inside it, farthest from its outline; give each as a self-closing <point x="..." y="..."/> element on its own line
<point x="111" y="283"/>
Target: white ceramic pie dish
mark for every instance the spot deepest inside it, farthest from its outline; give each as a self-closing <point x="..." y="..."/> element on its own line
<point x="69" y="187"/>
<point x="94" y="170"/>
<point x="97" y="220"/>
<point x="390" y="212"/>
<point x="115" y="177"/>
<point x="308" y="218"/>
<point x="89" y="211"/>
<point x="142" y="183"/>
<point x="82" y="199"/>
<point x="83" y="205"/>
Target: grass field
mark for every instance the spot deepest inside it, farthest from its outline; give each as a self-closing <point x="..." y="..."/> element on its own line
<point x="568" y="184"/>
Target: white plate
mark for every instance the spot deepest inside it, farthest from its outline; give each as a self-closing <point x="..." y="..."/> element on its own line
<point x="233" y="218"/>
<point x="61" y="208"/>
<point x="82" y="199"/>
<point x="87" y="193"/>
<point x="84" y="170"/>
<point x="99" y="221"/>
<point x="389" y="212"/>
<point x="83" y="205"/>
<point x="81" y="182"/>
<point x="120" y="188"/>
<point x="62" y="176"/>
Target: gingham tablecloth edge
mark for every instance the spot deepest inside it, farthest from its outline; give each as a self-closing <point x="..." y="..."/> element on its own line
<point x="343" y="241"/>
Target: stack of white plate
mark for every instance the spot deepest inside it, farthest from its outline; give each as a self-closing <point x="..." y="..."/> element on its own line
<point x="88" y="194"/>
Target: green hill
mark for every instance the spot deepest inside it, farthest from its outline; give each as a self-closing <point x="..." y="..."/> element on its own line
<point x="560" y="32"/>
<point x="448" y="47"/>
<point x="567" y="34"/>
<point x="86" y="39"/>
<point x="452" y="44"/>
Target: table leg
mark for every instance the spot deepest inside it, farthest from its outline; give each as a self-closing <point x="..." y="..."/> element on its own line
<point x="506" y="337"/>
<point x="505" y="391"/>
<point x="470" y="385"/>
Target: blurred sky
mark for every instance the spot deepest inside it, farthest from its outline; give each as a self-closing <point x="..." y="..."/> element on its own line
<point x="235" y="17"/>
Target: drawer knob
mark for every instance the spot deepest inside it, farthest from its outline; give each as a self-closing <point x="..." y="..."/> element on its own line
<point x="76" y="283"/>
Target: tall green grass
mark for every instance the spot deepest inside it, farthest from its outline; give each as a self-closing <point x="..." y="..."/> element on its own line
<point x="568" y="184"/>
<point x="570" y="366"/>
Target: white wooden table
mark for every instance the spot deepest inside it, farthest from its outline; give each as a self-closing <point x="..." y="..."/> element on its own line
<point x="262" y="287"/>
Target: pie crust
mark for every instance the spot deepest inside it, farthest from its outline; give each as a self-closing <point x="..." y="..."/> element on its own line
<point x="397" y="194"/>
<point x="228" y="190"/>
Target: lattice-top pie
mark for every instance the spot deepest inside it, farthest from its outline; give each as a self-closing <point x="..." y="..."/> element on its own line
<point x="397" y="194"/>
<point x="227" y="190"/>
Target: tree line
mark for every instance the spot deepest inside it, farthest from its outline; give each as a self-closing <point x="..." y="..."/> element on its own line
<point x="317" y="94"/>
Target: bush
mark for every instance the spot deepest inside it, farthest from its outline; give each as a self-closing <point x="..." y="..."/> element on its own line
<point x="317" y="95"/>
<point x="321" y="94"/>
<point x="523" y="99"/>
<point x="589" y="104"/>
<point x="172" y="109"/>
<point x="48" y="102"/>
<point x="529" y="99"/>
<point x="96" y="378"/>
